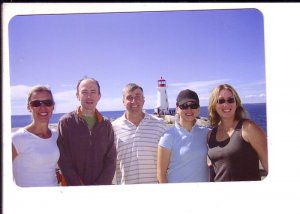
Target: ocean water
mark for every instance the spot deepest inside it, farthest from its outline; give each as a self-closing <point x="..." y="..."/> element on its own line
<point x="257" y="113"/>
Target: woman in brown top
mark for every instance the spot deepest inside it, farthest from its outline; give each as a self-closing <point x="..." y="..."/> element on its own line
<point x="236" y="144"/>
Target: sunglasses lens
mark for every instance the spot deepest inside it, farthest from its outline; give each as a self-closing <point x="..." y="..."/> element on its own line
<point x="35" y="103"/>
<point x="183" y="106"/>
<point x="38" y="103"/>
<point x="186" y="106"/>
<point x="231" y="100"/>
<point x="48" y="102"/>
<point x="221" y="101"/>
<point x="194" y="106"/>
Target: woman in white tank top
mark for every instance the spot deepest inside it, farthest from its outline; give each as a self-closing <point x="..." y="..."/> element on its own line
<point x="34" y="148"/>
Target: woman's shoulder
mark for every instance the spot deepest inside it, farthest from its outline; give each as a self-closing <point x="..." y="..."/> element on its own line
<point x="171" y="130"/>
<point x="19" y="137"/>
<point x="170" y="133"/>
<point x="202" y="129"/>
<point x="168" y="138"/>
<point x="248" y="124"/>
<point x="18" y="133"/>
<point x="249" y="127"/>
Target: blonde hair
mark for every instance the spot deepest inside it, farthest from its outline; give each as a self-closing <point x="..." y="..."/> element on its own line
<point x="214" y="117"/>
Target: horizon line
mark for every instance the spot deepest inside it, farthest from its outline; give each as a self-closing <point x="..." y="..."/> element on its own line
<point x="125" y="110"/>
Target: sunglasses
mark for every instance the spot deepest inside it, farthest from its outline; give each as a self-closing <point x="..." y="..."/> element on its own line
<point x="222" y="100"/>
<point x="186" y="106"/>
<point x="38" y="103"/>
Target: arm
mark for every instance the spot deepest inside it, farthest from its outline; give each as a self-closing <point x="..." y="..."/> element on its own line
<point x="163" y="160"/>
<point x="253" y="134"/>
<point x="14" y="152"/>
<point x="65" y="161"/>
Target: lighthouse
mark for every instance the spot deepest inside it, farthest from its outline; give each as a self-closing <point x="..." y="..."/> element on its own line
<point x="162" y="106"/>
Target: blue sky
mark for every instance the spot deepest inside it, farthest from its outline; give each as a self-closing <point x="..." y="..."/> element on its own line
<point x="190" y="49"/>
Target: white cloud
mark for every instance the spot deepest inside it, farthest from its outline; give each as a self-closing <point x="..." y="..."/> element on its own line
<point x="198" y="85"/>
<point x="203" y="89"/>
<point x="19" y="92"/>
<point x="110" y="104"/>
<point x="64" y="96"/>
<point x="255" y="96"/>
<point x="65" y="101"/>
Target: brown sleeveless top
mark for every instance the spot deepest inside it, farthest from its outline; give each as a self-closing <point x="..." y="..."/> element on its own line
<point x="233" y="159"/>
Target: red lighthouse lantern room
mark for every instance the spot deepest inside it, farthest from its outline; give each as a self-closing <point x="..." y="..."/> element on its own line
<point x="161" y="82"/>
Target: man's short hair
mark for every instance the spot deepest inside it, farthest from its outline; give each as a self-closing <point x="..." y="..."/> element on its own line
<point x="131" y="87"/>
<point x="88" y="78"/>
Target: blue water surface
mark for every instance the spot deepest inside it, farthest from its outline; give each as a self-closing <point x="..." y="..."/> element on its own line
<point x="257" y="112"/>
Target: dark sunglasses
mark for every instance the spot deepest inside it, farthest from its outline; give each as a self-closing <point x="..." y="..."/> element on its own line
<point x="229" y="100"/>
<point x="186" y="106"/>
<point x="38" y="103"/>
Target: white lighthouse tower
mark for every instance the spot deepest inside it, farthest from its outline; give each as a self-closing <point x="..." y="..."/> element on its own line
<point x="162" y="106"/>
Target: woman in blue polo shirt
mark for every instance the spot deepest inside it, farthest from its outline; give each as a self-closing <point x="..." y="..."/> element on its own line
<point x="182" y="150"/>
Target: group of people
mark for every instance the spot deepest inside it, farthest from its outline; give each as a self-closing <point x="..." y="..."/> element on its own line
<point x="138" y="147"/>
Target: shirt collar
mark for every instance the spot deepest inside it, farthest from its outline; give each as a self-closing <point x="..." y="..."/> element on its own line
<point x="180" y="128"/>
<point x="123" y="117"/>
<point x="97" y="114"/>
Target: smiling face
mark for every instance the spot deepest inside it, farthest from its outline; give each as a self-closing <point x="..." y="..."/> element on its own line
<point x="41" y="113"/>
<point x="88" y="94"/>
<point x="134" y="101"/>
<point x="226" y="109"/>
<point x="188" y="114"/>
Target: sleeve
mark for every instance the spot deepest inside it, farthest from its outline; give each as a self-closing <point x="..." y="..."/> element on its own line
<point x="18" y="139"/>
<point x="15" y="141"/>
<point x="167" y="140"/>
<point x="65" y="161"/>
<point x="109" y="161"/>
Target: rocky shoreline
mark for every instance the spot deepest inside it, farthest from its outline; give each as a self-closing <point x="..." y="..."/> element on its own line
<point x="202" y="121"/>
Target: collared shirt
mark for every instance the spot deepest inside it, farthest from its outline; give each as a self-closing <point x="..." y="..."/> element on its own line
<point x="188" y="160"/>
<point x="137" y="149"/>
